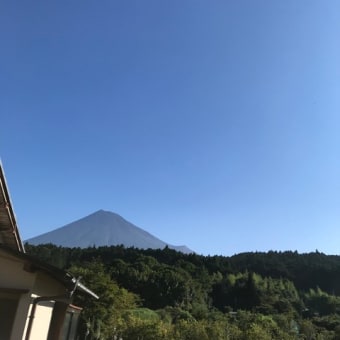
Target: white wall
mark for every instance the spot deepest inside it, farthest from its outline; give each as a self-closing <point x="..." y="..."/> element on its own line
<point x="36" y="284"/>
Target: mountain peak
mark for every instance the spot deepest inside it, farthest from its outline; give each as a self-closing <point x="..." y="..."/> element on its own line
<point x="103" y="228"/>
<point x="102" y="212"/>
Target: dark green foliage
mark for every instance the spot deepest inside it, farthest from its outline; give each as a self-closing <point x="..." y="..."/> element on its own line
<point x="164" y="294"/>
<point x="321" y="303"/>
<point x="99" y="316"/>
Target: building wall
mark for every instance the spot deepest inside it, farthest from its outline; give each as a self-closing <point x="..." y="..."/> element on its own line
<point x="24" y="286"/>
<point x="42" y="318"/>
<point x="15" y="283"/>
<point x="16" y="277"/>
<point x="8" y="307"/>
<point x="21" y="317"/>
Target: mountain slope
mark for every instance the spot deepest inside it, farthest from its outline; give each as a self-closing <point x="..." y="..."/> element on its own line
<point x="103" y="228"/>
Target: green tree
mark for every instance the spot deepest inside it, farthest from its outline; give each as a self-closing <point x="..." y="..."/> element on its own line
<point x="100" y="316"/>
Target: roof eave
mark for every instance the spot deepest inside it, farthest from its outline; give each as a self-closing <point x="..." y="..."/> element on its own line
<point x="9" y="229"/>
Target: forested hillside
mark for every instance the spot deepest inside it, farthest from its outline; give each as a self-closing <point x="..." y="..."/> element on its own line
<point x="164" y="294"/>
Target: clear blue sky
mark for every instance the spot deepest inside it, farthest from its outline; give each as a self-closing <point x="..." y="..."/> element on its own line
<point x="214" y="124"/>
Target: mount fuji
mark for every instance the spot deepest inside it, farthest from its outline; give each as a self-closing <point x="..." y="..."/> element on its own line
<point x="103" y="228"/>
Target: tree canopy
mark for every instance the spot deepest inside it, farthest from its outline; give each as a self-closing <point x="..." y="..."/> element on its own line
<point x="164" y="294"/>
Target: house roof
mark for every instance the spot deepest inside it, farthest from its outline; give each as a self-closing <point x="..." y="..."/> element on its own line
<point x="9" y="233"/>
<point x="32" y="264"/>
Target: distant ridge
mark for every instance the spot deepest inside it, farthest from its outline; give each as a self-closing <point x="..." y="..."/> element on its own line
<point x="103" y="228"/>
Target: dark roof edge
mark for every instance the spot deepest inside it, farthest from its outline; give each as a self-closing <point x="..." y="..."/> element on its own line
<point x="10" y="211"/>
